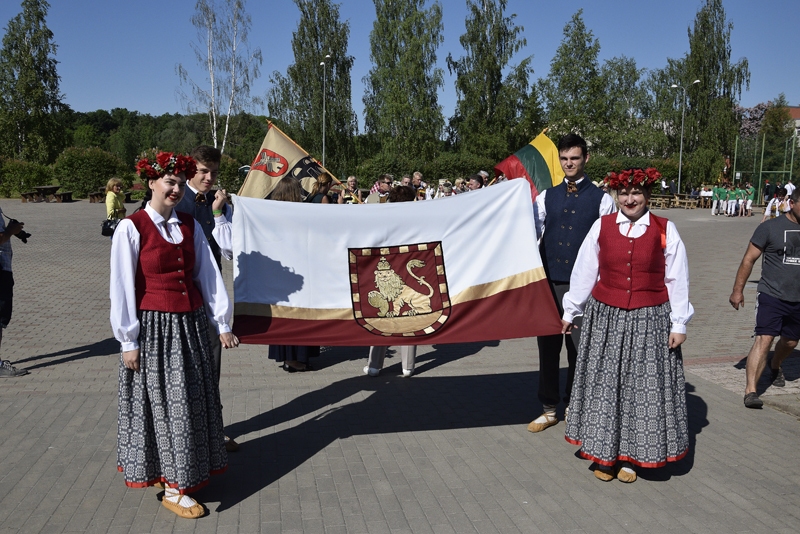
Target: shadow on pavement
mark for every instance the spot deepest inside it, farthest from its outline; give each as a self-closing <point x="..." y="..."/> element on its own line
<point x="440" y="355"/>
<point x="697" y="411"/>
<point x="790" y="366"/>
<point x="378" y="405"/>
<point x="106" y="347"/>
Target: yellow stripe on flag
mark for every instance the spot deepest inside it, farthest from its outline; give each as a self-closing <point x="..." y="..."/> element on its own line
<point x="549" y="152"/>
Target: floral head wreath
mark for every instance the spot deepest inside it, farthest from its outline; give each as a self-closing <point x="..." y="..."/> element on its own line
<point x="632" y="177"/>
<point x="166" y="163"/>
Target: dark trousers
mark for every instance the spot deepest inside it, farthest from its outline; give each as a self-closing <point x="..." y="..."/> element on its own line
<point x="550" y="355"/>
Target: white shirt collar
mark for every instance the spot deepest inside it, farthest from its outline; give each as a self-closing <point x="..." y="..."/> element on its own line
<point x="644" y="219"/>
<point x="158" y="219"/>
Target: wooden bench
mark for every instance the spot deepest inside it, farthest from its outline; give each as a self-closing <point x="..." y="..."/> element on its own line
<point x="64" y="196"/>
<point x="660" y="203"/>
<point x="687" y="203"/>
<point x="128" y="199"/>
<point x="30" y="196"/>
<point x="97" y="196"/>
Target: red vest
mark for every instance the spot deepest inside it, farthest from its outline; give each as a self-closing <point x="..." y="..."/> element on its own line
<point x="631" y="270"/>
<point x="164" y="272"/>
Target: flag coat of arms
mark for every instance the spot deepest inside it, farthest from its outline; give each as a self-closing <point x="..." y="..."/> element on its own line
<point x="453" y="270"/>
<point x="277" y="158"/>
<point x="537" y="162"/>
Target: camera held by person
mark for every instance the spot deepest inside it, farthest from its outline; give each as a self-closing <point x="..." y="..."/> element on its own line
<point x="21" y="234"/>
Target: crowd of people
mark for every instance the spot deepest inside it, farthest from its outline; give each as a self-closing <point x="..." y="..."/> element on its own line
<point x="348" y="193"/>
<point x="618" y="275"/>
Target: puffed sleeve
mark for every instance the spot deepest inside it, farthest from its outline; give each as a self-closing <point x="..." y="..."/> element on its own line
<point x="540" y="213"/>
<point x="222" y="233"/>
<point x="124" y="259"/>
<point x="207" y="277"/>
<point x="584" y="275"/>
<point x="676" y="278"/>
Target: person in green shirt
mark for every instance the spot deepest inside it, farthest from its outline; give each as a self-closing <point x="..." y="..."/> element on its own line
<point x="751" y="196"/>
<point x="730" y="200"/>
<point x="716" y="200"/>
<point x="741" y="198"/>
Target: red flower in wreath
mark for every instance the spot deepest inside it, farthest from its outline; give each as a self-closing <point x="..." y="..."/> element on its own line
<point x="145" y="170"/>
<point x="632" y="177"/>
<point x="167" y="163"/>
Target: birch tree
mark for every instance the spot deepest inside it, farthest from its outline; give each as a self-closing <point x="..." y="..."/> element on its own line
<point x="228" y="63"/>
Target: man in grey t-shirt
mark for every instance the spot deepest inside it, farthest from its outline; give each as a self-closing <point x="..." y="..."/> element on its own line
<point x="778" y="299"/>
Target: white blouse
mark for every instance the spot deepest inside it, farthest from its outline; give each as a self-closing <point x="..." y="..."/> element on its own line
<point x="586" y="272"/>
<point x="124" y="260"/>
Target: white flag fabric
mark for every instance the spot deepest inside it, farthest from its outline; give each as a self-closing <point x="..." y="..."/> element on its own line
<point x="458" y="269"/>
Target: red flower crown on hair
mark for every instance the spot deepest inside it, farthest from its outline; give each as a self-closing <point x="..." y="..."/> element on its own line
<point x="166" y="163"/>
<point x="632" y="177"/>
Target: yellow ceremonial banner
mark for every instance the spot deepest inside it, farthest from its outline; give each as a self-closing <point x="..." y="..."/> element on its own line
<point x="279" y="157"/>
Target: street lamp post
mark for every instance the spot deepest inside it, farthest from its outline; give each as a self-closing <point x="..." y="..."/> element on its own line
<point x="683" y="116"/>
<point x="324" y="98"/>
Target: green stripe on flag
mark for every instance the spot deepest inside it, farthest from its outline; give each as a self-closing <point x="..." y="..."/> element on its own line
<point x="536" y="166"/>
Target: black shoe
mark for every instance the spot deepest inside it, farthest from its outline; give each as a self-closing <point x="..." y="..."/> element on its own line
<point x="751" y="400"/>
<point x="777" y="379"/>
<point x="288" y="368"/>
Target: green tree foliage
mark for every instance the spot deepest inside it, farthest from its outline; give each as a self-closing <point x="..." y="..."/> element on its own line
<point x="83" y="170"/>
<point x="494" y="115"/>
<point x="777" y="134"/>
<point x="29" y="88"/>
<point x="573" y="91"/>
<point x="711" y="121"/>
<point x="296" y="99"/>
<point x="401" y="102"/>
<point x="21" y="176"/>
<point x="222" y="50"/>
<point x="626" y="129"/>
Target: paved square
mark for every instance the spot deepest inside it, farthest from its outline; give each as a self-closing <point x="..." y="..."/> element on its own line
<point x="445" y="451"/>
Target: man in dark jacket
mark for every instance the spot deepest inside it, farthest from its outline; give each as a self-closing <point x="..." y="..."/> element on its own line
<point x="564" y="215"/>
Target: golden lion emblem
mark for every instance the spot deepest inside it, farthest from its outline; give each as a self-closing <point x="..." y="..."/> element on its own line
<point x="393" y="293"/>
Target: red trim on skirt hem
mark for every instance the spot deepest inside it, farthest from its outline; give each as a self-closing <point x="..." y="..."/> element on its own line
<point x="621" y="458"/>
<point x="163" y="480"/>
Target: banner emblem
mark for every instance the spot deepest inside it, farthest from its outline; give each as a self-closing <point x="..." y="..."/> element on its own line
<point x="399" y="291"/>
<point x="270" y="163"/>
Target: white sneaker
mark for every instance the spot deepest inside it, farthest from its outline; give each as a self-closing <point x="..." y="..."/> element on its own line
<point x="371" y="371"/>
<point x="407" y="372"/>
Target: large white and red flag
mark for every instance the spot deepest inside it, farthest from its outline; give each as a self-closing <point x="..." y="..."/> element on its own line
<point x="454" y="270"/>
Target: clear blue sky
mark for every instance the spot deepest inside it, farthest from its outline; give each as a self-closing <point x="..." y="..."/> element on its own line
<point x="115" y="53"/>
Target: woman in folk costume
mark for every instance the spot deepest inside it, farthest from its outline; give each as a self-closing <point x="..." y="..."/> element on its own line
<point x="166" y="292"/>
<point x="631" y="284"/>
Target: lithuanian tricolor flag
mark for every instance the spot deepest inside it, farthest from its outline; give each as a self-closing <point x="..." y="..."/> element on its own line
<point x="537" y="162"/>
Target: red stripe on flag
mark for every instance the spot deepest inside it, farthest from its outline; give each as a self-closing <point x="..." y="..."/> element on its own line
<point x="513" y="168"/>
<point x="533" y="313"/>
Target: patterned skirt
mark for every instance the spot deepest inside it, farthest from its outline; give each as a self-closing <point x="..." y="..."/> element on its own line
<point x="170" y="417"/>
<point x="628" y="400"/>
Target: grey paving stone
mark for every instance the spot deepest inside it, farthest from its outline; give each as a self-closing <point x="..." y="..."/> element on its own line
<point x="330" y="451"/>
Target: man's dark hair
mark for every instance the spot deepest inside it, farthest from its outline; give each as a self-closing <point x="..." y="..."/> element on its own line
<point x="384" y="177"/>
<point x="572" y="140"/>
<point x="402" y="193"/>
<point x="795" y="197"/>
<point x="477" y="177"/>
<point x="207" y="155"/>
